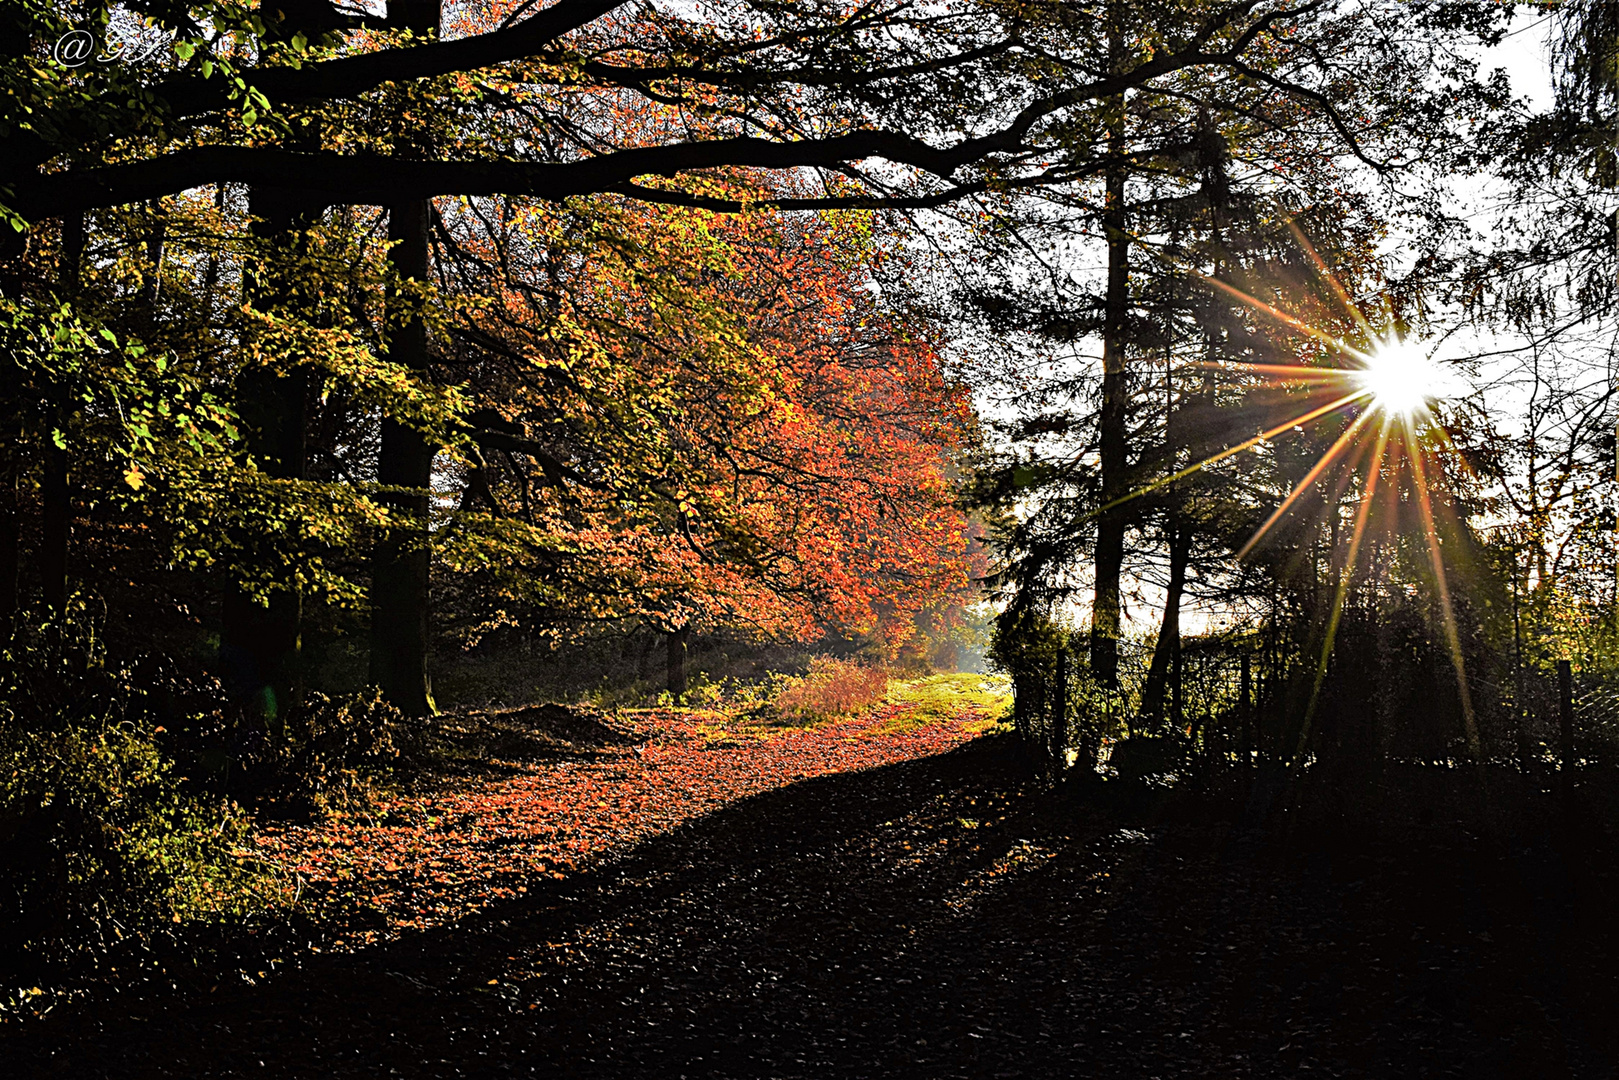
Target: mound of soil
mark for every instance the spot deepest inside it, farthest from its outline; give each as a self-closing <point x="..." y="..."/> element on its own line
<point x="461" y="741"/>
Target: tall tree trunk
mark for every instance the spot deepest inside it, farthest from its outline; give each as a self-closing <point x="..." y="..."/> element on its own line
<point x="403" y="555"/>
<point x="1110" y="529"/>
<point x="261" y="645"/>
<point x="1166" y="654"/>
<point x="57" y="512"/>
<point x="675" y="669"/>
<point x="400" y="564"/>
<point x="155" y="244"/>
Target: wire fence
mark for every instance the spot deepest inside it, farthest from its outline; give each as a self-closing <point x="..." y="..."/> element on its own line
<point x="1230" y="705"/>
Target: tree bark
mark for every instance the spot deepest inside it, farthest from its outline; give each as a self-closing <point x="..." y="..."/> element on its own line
<point x="1109" y="562"/>
<point x="675" y="667"/>
<point x="1166" y="654"/>
<point x="403" y="558"/>
<point x="261" y="645"/>
<point x="399" y="570"/>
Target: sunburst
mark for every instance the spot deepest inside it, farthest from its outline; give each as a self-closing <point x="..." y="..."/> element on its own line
<point x="1400" y="379"/>
<point x="1392" y="391"/>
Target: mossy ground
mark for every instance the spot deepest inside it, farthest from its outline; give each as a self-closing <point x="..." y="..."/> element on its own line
<point x="932" y="698"/>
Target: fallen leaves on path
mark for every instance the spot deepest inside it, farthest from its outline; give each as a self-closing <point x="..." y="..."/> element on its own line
<point x="429" y="860"/>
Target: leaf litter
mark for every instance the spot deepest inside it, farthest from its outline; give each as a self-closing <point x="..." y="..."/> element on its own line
<point x="430" y="859"/>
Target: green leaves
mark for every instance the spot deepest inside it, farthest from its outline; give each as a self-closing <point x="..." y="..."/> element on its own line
<point x="130" y="403"/>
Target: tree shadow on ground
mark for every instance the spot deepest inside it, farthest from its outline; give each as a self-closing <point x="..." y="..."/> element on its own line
<point x="943" y="917"/>
<point x="497" y="744"/>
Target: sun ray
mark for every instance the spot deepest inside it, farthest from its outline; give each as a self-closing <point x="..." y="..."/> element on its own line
<point x="1442" y="589"/>
<point x="1309" y="478"/>
<point x="1290" y="320"/>
<point x="1331" y="279"/>
<point x="1288" y="372"/>
<point x="1341" y="594"/>
<point x="1399" y="385"/>
<point x="1263" y="436"/>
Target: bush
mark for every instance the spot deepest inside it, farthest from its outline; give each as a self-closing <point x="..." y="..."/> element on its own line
<point x="1146" y="758"/>
<point x="331" y="753"/>
<point x="100" y="841"/>
<point x="832" y="688"/>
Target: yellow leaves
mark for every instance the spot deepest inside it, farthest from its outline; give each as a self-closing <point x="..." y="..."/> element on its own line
<point x="350" y="361"/>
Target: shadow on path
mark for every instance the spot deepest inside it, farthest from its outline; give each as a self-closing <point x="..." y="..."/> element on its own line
<point x="940" y="917"/>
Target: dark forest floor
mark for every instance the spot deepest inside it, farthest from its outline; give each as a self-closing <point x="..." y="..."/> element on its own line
<point x="946" y="917"/>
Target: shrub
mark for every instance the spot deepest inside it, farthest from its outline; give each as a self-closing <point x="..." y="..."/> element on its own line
<point x="832" y="688"/>
<point x="330" y="753"/>
<point x="100" y="841"/>
<point x="1145" y="758"/>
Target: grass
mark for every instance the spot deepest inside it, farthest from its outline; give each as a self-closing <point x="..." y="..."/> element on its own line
<point x="840" y="690"/>
<point x="933" y="698"/>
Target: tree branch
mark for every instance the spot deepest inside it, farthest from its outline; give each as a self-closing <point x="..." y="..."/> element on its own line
<point x="381" y="180"/>
<point x="350" y="76"/>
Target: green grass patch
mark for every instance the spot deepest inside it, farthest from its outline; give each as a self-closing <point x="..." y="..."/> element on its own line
<point x="935" y="698"/>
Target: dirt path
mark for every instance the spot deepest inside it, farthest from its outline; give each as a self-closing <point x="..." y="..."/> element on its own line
<point x="434" y="859"/>
<point x="934" y="918"/>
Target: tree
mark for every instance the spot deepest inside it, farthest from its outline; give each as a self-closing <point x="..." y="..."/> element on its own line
<point x="750" y="440"/>
<point x="1172" y="219"/>
<point x="400" y="566"/>
<point x="806" y="85"/>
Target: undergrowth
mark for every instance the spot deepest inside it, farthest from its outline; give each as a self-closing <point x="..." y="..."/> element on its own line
<point x="102" y="843"/>
<point x="831" y="689"/>
<point x="126" y="797"/>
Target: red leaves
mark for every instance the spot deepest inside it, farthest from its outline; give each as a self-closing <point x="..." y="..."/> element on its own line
<point x="431" y="860"/>
<point x="771" y="438"/>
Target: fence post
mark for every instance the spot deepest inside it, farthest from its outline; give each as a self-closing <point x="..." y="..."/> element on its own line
<point x="1565" y="720"/>
<point x="1059" y="718"/>
<point x="1025" y="706"/>
<point x="1245" y="713"/>
<point x="1018" y="702"/>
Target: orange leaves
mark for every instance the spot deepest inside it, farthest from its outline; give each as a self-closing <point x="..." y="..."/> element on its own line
<point x="431" y="860"/>
<point x="768" y="444"/>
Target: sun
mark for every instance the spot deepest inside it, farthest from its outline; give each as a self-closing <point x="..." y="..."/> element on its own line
<point x="1386" y="390"/>
<point x="1399" y="378"/>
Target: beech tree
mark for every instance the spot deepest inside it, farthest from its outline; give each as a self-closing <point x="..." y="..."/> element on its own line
<point x="755" y="440"/>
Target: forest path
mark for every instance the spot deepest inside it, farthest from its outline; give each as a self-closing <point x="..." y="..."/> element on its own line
<point x="939" y="917"/>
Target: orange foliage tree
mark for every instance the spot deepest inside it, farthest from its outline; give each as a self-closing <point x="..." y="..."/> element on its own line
<point x="695" y="419"/>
